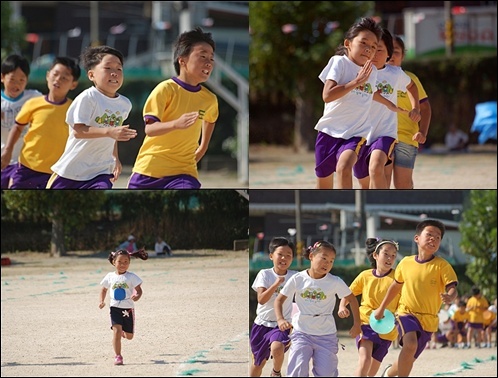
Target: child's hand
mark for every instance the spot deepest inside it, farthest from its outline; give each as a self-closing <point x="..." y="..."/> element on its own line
<point x="414" y="115"/>
<point x="364" y="73"/>
<point x="419" y="137"/>
<point x="135" y="297"/>
<point x="279" y="280"/>
<point x="102" y="305"/>
<point x="343" y="312"/>
<point x="6" y="158"/>
<point x="284" y="324"/>
<point x="186" y="120"/>
<point x="122" y="133"/>
<point x="446" y="298"/>
<point x="118" y="167"/>
<point x="355" y="330"/>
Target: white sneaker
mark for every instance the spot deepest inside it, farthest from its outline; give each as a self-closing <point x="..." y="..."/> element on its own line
<point x="384" y="373"/>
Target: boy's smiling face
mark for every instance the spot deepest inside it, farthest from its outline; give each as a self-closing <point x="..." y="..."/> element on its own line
<point x="197" y="67"/>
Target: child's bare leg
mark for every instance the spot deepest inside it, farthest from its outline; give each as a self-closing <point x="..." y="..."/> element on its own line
<point x="255" y="370"/>
<point x="406" y="356"/>
<point x="116" y="338"/>
<point x="325" y="182"/>
<point x="277" y="351"/>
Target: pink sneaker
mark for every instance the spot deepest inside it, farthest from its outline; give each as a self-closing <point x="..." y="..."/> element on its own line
<point x="118" y="360"/>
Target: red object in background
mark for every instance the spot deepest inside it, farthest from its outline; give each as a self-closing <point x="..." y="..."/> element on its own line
<point x="458" y="10"/>
<point x="5" y="261"/>
<point x="32" y="37"/>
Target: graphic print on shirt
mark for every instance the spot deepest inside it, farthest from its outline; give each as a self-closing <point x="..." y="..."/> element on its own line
<point x="313" y="295"/>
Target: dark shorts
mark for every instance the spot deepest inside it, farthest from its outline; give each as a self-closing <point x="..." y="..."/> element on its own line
<point x="25" y="178"/>
<point x="385" y="144"/>
<point x="261" y="339"/>
<point x="475" y="325"/>
<point x="328" y="150"/>
<point x="409" y="323"/>
<point x="380" y="346"/>
<point x="441" y="338"/>
<point x="7" y="173"/>
<point x="124" y="317"/>
<point x="99" y="182"/>
<point x="139" y="181"/>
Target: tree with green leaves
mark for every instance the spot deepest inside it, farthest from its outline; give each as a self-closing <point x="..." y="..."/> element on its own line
<point x="291" y="42"/>
<point x="13" y="31"/>
<point x="64" y="208"/>
<point x="478" y="228"/>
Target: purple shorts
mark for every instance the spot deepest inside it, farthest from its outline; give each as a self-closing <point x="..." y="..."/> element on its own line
<point x="409" y="323"/>
<point x="7" y="173"/>
<point x="261" y="339"/>
<point x="25" y="178"/>
<point x="380" y="346"/>
<point x="441" y="338"/>
<point x="385" y="144"/>
<point x="99" y="182"/>
<point x="328" y="150"/>
<point x="139" y="181"/>
<point x="475" y="325"/>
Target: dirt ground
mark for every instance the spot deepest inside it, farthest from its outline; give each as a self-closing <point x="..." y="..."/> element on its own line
<point x="273" y="167"/>
<point x="191" y="320"/>
<point x="431" y="363"/>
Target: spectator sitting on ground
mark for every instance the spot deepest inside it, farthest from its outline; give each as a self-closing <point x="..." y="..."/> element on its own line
<point x="456" y="139"/>
<point x="161" y="247"/>
<point x="129" y="245"/>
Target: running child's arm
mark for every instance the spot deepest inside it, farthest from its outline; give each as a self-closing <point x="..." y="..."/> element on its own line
<point x="155" y="128"/>
<point x="355" y="309"/>
<point x="450" y="295"/>
<point x="12" y="139"/>
<point x="119" y="133"/>
<point x="103" y="293"/>
<point x="343" y="311"/>
<point x="384" y="101"/>
<point x="423" y="126"/>
<point x="118" y="167"/>
<point x="207" y="132"/>
<point x="412" y="92"/>
<point x="278" y="307"/>
<point x="264" y="294"/>
<point x="135" y="297"/>
<point x="392" y="292"/>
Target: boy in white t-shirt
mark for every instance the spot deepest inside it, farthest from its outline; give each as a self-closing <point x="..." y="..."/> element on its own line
<point x="266" y="338"/>
<point x="96" y="116"/>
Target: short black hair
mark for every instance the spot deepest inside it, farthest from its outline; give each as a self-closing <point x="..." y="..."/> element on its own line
<point x="13" y="62"/>
<point x="186" y="41"/>
<point x="70" y="63"/>
<point x="93" y="55"/>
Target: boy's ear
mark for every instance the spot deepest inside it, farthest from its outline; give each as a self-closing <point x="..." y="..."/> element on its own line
<point x="74" y="84"/>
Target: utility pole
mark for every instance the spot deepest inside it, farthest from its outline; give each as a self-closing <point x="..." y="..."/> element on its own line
<point x="448" y="28"/>
<point x="359" y="225"/>
<point x="94" y="23"/>
<point x="299" y="241"/>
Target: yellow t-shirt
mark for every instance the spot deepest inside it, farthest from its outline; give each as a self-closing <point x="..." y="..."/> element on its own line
<point x="475" y="307"/>
<point x="423" y="282"/>
<point x="406" y="127"/>
<point x="373" y="289"/>
<point x="46" y="137"/>
<point x="174" y="153"/>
